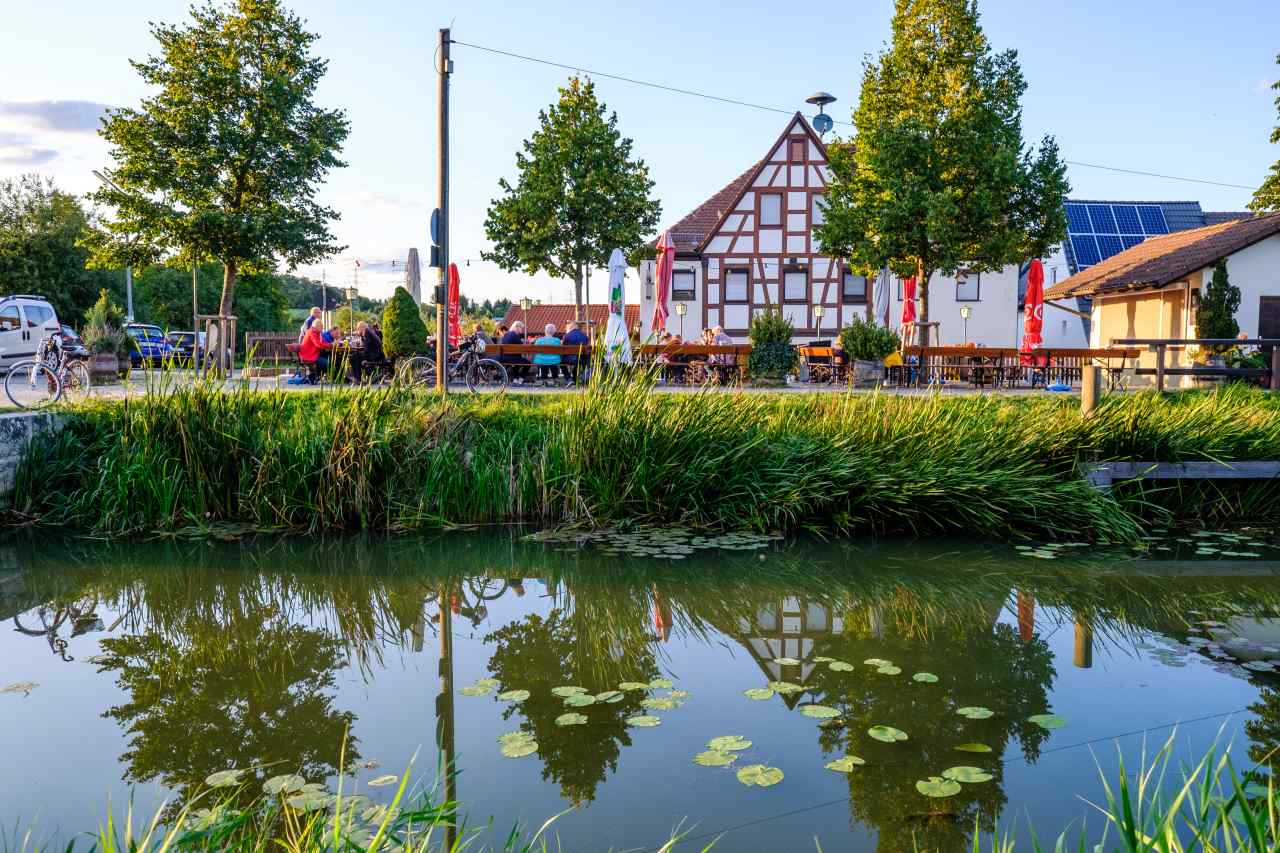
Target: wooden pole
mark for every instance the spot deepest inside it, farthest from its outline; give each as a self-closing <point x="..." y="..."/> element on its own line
<point x="1275" y="368"/>
<point x="1082" y="652"/>
<point x="1160" y="368"/>
<point x="1090" y="380"/>
<point x="442" y="288"/>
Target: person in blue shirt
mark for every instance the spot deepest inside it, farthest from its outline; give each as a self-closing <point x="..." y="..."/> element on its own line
<point x="548" y="364"/>
<point x="574" y="336"/>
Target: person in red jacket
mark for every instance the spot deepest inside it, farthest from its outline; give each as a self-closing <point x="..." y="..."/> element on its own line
<point x="313" y="348"/>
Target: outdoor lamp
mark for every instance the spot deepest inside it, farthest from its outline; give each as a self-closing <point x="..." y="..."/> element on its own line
<point x="681" y="309"/>
<point x="965" y="313"/>
<point x="648" y="281"/>
<point x="818" y="312"/>
<point x="526" y="304"/>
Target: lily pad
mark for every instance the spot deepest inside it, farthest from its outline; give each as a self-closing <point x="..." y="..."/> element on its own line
<point x="475" y="690"/>
<point x="936" y="786"/>
<point x="728" y="743"/>
<point x="1047" y="721"/>
<point x="888" y="734"/>
<point x="785" y="687"/>
<point x="286" y="784"/>
<point x="786" y="661"/>
<point x="568" y="690"/>
<point x="968" y="775"/>
<point x="644" y="721"/>
<point x="519" y="748"/>
<point x="759" y="775"/>
<point x="579" y="700"/>
<point x="889" y="670"/>
<point x="633" y="685"/>
<point x="515" y="737"/>
<point x="822" y="659"/>
<point x="658" y="703"/>
<point x="975" y="712"/>
<point x="661" y="683"/>
<point x="846" y="764"/>
<point x="23" y="687"/>
<point x="223" y="778"/>
<point x="877" y="662"/>
<point x="309" y="801"/>
<point x="759" y="694"/>
<point x="487" y="682"/>
<point x="840" y="666"/>
<point x="390" y="778"/>
<point x="514" y="695"/>
<point x="973" y="747"/>
<point x="925" y="678"/>
<point x="819" y="712"/>
<point x="679" y="695"/>
<point x="609" y="696"/>
<point x="571" y="719"/>
<point x="714" y="758"/>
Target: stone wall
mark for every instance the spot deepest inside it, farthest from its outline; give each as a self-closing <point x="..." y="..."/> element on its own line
<point x="16" y="431"/>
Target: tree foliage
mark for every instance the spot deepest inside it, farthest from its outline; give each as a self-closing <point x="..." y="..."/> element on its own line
<point x="223" y="161"/>
<point x="1217" y="305"/>
<point x="579" y="194"/>
<point x="403" y="332"/>
<point x="1267" y="196"/>
<point x="939" y="177"/>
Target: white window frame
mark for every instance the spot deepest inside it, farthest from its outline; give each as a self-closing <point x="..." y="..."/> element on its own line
<point x="965" y="279"/>
<point x="684" y="294"/>
<point x="818" y="213"/>
<point x="777" y="223"/>
<point x="844" y="289"/>
<point x="731" y="275"/>
<point x="787" y="279"/>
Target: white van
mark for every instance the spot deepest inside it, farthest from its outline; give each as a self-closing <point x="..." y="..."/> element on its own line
<point x="24" y="322"/>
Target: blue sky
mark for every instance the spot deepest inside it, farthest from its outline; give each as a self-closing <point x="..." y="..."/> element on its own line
<point x="1175" y="88"/>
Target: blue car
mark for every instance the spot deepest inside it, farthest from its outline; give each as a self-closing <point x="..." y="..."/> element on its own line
<point x="149" y="345"/>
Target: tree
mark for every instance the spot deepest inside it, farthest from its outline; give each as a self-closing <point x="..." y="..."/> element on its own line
<point x="403" y="332"/>
<point x="579" y="195"/>
<point x="938" y="176"/>
<point x="162" y="295"/>
<point x="1216" y="306"/>
<point x="1267" y="196"/>
<point x="224" y="160"/>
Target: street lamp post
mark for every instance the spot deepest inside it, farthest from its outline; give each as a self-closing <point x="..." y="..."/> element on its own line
<point x="128" y="268"/>
<point x="818" y="312"/>
<point x="525" y="305"/>
<point x="965" y="313"/>
<point x="351" y="308"/>
<point x="681" y="310"/>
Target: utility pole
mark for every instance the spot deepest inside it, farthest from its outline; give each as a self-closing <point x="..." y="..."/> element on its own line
<point x="195" y="313"/>
<point x="442" y="121"/>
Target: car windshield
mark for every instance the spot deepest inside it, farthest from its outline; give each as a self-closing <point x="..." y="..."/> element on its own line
<point x="146" y="334"/>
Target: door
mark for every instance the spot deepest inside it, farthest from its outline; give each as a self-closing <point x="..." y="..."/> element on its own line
<point x="13" y="347"/>
<point x="40" y="323"/>
<point x="1269" y="317"/>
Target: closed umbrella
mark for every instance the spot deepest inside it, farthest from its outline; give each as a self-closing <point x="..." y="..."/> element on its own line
<point x="413" y="276"/>
<point x="666" y="260"/>
<point x="617" y="339"/>
<point x="880" y="298"/>
<point x="908" y="309"/>
<point x="1033" y="308"/>
<point x="455" y="306"/>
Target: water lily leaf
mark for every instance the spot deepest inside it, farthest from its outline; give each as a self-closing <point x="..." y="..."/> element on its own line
<point x="223" y="778"/>
<point x="286" y="784"/>
<point x="785" y="687"/>
<point x="877" y="662"/>
<point x="759" y="694"/>
<point x="968" y="775"/>
<point x="487" y="682"/>
<point x="728" y="743"/>
<point x="568" y="690"/>
<point x="579" y="700"/>
<point x="310" y="801"/>
<point x="379" y="813"/>
<point x="760" y="775"/>
<point x="819" y="712"/>
<point x="714" y="758"/>
<point x="786" y="661"/>
<point x="822" y="659"/>
<point x="663" y="683"/>
<point x="384" y="780"/>
<point x="514" y="695"/>
<point x="312" y="787"/>
<point x="515" y="737"/>
<point x="609" y="696"/>
<point x="888" y="734"/>
<point x="97" y="659"/>
<point x="23" y="687"/>
<point x="680" y="695"/>
<point x="973" y="747"/>
<point x="633" y="685"/>
<point x="519" y="748"/>
<point x="846" y="764"/>
<point x="476" y="690"/>
<point x="840" y="666"/>
<point x="925" y="678"/>
<point x="658" y="703"/>
<point x="1047" y="721"/>
<point x="936" y="786"/>
<point x="889" y="670"/>
<point x="644" y="721"/>
<point x="571" y="719"/>
<point x="975" y="712"/>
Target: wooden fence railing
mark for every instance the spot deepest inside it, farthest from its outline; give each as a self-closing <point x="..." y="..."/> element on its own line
<point x="1161" y="347"/>
<point x="269" y="349"/>
<point x="1007" y="366"/>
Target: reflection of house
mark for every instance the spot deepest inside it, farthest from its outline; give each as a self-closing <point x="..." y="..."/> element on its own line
<point x="789" y="628"/>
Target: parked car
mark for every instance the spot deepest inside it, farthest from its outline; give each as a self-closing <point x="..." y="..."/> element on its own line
<point x="73" y="344"/>
<point x="183" y="344"/>
<point x="150" y="346"/>
<point x="24" y="321"/>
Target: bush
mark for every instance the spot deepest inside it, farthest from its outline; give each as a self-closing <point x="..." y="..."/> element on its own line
<point x="104" y="328"/>
<point x="866" y="341"/>
<point x="403" y="332"/>
<point x="772" y="356"/>
<point x="1216" y="308"/>
<point x="770" y="327"/>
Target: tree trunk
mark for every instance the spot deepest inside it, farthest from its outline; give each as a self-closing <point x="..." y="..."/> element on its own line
<point x="577" y="294"/>
<point x="922" y="287"/>
<point x="214" y="343"/>
<point x="230" y="272"/>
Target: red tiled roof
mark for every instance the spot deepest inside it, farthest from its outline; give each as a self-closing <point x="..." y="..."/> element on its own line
<point x="540" y="315"/>
<point x="1162" y="260"/>
<point x="689" y="232"/>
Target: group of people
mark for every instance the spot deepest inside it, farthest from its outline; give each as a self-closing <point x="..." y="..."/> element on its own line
<point x="680" y="368"/>
<point x="363" y="349"/>
<point x="544" y="366"/>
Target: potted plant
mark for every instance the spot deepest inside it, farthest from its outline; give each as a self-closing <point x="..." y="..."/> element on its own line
<point x="866" y="345"/>
<point x="105" y="338"/>
<point x="772" y="356"/>
<point x="1216" y="308"/>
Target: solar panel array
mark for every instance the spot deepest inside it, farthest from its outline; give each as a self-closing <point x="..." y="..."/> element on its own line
<point x="1098" y="231"/>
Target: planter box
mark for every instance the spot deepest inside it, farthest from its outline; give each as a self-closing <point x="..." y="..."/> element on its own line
<point x="104" y="367"/>
<point x="866" y="374"/>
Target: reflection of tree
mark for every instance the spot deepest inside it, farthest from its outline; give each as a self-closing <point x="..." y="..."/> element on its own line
<point x="1264" y="731"/>
<point x="537" y="654"/>
<point x="991" y="668"/>
<point x="229" y="696"/>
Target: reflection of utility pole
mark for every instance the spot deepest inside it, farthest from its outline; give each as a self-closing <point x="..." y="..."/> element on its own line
<point x="444" y="714"/>
<point x="1026" y="615"/>
<point x="1083" y="656"/>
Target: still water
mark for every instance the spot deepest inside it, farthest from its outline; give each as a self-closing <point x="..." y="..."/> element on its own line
<point x="142" y="669"/>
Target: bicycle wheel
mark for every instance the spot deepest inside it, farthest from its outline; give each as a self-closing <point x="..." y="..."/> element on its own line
<point x="417" y="372"/>
<point x="75" y="382"/>
<point x="32" y="385"/>
<point x="486" y="374"/>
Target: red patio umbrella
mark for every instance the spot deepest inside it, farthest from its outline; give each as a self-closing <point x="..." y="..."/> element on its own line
<point x="455" y="298"/>
<point x="908" y="309"/>
<point x="666" y="260"/>
<point x="1033" y="308"/>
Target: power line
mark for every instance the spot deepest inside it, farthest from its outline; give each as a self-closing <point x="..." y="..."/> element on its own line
<point x="734" y="101"/>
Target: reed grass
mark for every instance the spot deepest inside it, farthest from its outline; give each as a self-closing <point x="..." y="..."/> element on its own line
<point x="198" y="456"/>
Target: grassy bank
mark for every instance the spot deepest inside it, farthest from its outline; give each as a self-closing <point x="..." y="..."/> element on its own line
<point x="388" y="460"/>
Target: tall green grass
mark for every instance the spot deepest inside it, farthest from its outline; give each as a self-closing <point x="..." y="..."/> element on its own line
<point x="391" y="459"/>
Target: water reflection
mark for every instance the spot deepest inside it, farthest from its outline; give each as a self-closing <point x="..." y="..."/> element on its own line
<point x="230" y="656"/>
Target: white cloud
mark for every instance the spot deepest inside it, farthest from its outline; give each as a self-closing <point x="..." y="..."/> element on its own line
<point x="57" y="116"/>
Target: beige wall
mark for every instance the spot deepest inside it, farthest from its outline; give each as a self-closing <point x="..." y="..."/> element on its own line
<point x="1151" y="314"/>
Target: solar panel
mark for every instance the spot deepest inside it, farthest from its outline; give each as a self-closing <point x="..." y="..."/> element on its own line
<point x="1103" y="221"/>
<point x="1108" y="245"/>
<point x="1131" y="241"/>
<point x="1127" y="218"/>
<point x="1078" y="219"/>
<point x="1152" y="219"/>
<point x="1086" y="250"/>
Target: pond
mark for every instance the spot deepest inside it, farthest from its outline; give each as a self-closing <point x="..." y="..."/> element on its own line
<point x="139" y="670"/>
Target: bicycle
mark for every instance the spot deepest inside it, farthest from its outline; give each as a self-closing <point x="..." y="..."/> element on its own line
<point x="468" y="366"/>
<point x="44" y="380"/>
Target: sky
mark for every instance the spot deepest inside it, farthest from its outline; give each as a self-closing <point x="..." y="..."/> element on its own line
<point x="1152" y="85"/>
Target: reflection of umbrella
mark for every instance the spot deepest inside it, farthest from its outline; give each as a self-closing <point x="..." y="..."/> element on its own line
<point x="908" y="308"/>
<point x="1034" y="308"/>
<point x="413" y="276"/>
<point x="880" y="298"/>
<point x="666" y="259"/>
<point x="455" y="298"/>
<point x="617" y="339"/>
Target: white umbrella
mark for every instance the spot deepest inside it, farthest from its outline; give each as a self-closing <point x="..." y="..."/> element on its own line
<point x="617" y="338"/>
<point x="413" y="276"/>
<point x="880" y="300"/>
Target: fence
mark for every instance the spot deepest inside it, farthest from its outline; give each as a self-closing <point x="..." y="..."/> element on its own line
<point x="999" y="366"/>
<point x="1161" y="347"/>
<point x="268" y="349"/>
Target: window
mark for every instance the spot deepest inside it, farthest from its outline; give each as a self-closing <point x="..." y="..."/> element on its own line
<point x="819" y="209"/>
<point x="38" y="315"/>
<point x="10" y="319"/>
<point x="795" y="285"/>
<point x="854" y="289"/>
<point x="736" y="283"/>
<point x="797" y="151"/>
<point x="682" y="285"/>
<point x="770" y="209"/>
<point x="967" y="286"/>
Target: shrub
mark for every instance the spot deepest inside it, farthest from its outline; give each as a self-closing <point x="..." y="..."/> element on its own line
<point x="866" y="341"/>
<point x="770" y="327"/>
<point x="104" y="328"/>
<point x="403" y="332"/>
<point x="772" y="356"/>
<point x="1216" y="308"/>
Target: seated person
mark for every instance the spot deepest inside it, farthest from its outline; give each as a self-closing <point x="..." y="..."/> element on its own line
<point x="368" y="353"/>
<point x="333" y="336"/>
<point x="574" y="336"/>
<point x="548" y="364"/>
<point x="313" y="352"/>
<point x="517" y="365"/>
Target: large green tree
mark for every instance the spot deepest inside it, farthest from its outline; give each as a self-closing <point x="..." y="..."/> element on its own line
<point x="162" y="295"/>
<point x="1267" y="196"/>
<point x="224" y="160"/>
<point x="579" y="194"/>
<point x="938" y="176"/>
